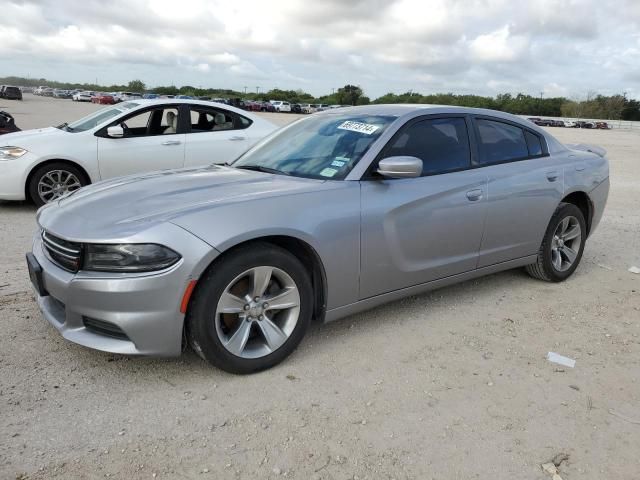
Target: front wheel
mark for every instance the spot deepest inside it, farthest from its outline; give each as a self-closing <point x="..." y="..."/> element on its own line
<point x="52" y="181"/>
<point x="250" y="310"/>
<point x="562" y="245"/>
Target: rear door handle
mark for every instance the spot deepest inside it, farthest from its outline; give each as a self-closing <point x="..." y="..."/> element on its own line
<point x="474" y="195"/>
<point x="171" y="142"/>
<point x="580" y="167"/>
<point x="236" y="138"/>
<point x="552" y="176"/>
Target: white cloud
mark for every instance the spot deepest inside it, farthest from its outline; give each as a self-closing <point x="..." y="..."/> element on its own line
<point x="498" y="46"/>
<point x="468" y="46"/>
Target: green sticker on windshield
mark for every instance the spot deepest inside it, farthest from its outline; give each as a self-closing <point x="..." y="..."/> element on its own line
<point x="328" y="172"/>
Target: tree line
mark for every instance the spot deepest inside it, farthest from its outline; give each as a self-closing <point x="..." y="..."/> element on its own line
<point x="614" y="107"/>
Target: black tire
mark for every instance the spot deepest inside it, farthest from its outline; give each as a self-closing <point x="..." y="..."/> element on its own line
<point x="49" y="167"/>
<point x="200" y="320"/>
<point x="543" y="268"/>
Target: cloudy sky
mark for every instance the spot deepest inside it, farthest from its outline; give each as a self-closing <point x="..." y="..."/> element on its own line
<point x="559" y="47"/>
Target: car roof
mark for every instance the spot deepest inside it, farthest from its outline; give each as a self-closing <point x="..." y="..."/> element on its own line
<point x="145" y="102"/>
<point x="408" y="109"/>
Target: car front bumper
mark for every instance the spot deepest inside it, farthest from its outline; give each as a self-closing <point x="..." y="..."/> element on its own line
<point x="13" y="175"/>
<point x="137" y="314"/>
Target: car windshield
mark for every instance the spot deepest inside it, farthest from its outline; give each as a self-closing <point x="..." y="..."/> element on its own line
<point x="99" y="117"/>
<point x="322" y="147"/>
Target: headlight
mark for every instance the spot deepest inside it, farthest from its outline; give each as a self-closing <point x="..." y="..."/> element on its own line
<point x="9" y="153"/>
<point x="128" y="257"/>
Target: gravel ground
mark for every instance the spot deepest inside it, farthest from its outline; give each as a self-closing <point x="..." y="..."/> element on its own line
<point x="453" y="384"/>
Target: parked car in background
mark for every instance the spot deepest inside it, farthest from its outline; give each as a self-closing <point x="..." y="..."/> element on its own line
<point x="48" y="92"/>
<point x="83" y="96"/>
<point x="584" y="124"/>
<point x="184" y="97"/>
<point x="127" y="138"/>
<point x="40" y="90"/>
<point x="10" y="92"/>
<point x="307" y="108"/>
<point x="602" y="126"/>
<point x="103" y="99"/>
<point x="230" y="258"/>
<point x="59" y="93"/>
<point x="26" y="89"/>
<point x="267" y="107"/>
<point x="7" y="123"/>
<point x="569" y="124"/>
<point x="281" y="106"/>
<point x="150" y="96"/>
<point x="296" y="108"/>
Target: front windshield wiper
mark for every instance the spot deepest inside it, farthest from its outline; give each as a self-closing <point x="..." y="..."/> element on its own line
<point x="260" y="168"/>
<point x="65" y="126"/>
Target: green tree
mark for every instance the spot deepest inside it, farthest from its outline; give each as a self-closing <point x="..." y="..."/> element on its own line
<point x="348" y="95"/>
<point x="137" y="86"/>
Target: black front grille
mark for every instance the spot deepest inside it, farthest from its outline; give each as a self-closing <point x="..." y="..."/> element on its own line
<point x="63" y="253"/>
<point x="104" y="328"/>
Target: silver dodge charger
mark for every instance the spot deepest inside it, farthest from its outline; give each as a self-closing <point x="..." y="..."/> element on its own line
<point x="331" y="215"/>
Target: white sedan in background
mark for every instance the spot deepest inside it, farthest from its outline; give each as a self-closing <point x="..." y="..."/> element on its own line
<point x="124" y="139"/>
<point x="83" y="96"/>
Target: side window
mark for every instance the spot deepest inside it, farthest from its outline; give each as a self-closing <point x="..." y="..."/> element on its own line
<point x="533" y="144"/>
<point x="500" y="142"/>
<point x="210" y="120"/>
<point x="167" y="120"/>
<point x="158" y="121"/>
<point x="442" y="144"/>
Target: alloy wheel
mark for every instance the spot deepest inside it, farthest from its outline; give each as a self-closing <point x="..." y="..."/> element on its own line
<point x="257" y="312"/>
<point x="56" y="183"/>
<point x="565" y="244"/>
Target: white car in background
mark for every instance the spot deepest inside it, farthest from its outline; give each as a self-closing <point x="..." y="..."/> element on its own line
<point x="281" y="106"/>
<point x="83" y="96"/>
<point x="124" y="139"/>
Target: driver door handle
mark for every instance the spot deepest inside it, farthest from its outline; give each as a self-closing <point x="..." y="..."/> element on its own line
<point x="474" y="195"/>
<point x="552" y="176"/>
<point x="236" y="138"/>
<point x="171" y="142"/>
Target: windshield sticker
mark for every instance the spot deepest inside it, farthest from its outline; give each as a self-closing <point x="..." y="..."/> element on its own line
<point x="365" y="128"/>
<point x="337" y="163"/>
<point x="328" y="172"/>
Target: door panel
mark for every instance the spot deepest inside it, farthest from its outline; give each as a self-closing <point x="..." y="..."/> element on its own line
<point x="421" y="229"/>
<point x="205" y="148"/>
<point x="126" y="156"/>
<point x="522" y="197"/>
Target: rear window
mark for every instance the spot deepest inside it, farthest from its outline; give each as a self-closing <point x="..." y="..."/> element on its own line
<point x="533" y="144"/>
<point x="500" y="142"/>
<point x="12" y="89"/>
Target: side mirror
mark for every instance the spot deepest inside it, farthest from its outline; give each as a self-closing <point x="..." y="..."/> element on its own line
<point x="400" y="167"/>
<point x="115" y="132"/>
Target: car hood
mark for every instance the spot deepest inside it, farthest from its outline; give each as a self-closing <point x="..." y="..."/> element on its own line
<point x="28" y="138"/>
<point x="120" y="208"/>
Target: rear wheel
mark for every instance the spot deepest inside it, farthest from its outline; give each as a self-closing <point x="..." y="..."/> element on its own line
<point x="562" y="246"/>
<point x="53" y="180"/>
<point x="251" y="310"/>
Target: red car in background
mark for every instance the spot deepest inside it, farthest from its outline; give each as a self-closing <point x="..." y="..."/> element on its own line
<point x="252" y="106"/>
<point x="103" y="99"/>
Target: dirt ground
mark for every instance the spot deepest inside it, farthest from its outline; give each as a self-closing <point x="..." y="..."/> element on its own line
<point x="453" y="384"/>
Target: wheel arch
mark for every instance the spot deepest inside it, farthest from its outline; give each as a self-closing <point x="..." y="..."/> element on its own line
<point x="304" y="252"/>
<point x="581" y="200"/>
<point x="37" y="166"/>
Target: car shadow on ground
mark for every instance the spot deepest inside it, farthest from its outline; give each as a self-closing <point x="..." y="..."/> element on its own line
<point x="319" y="339"/>
<point x="18" y="206"/>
